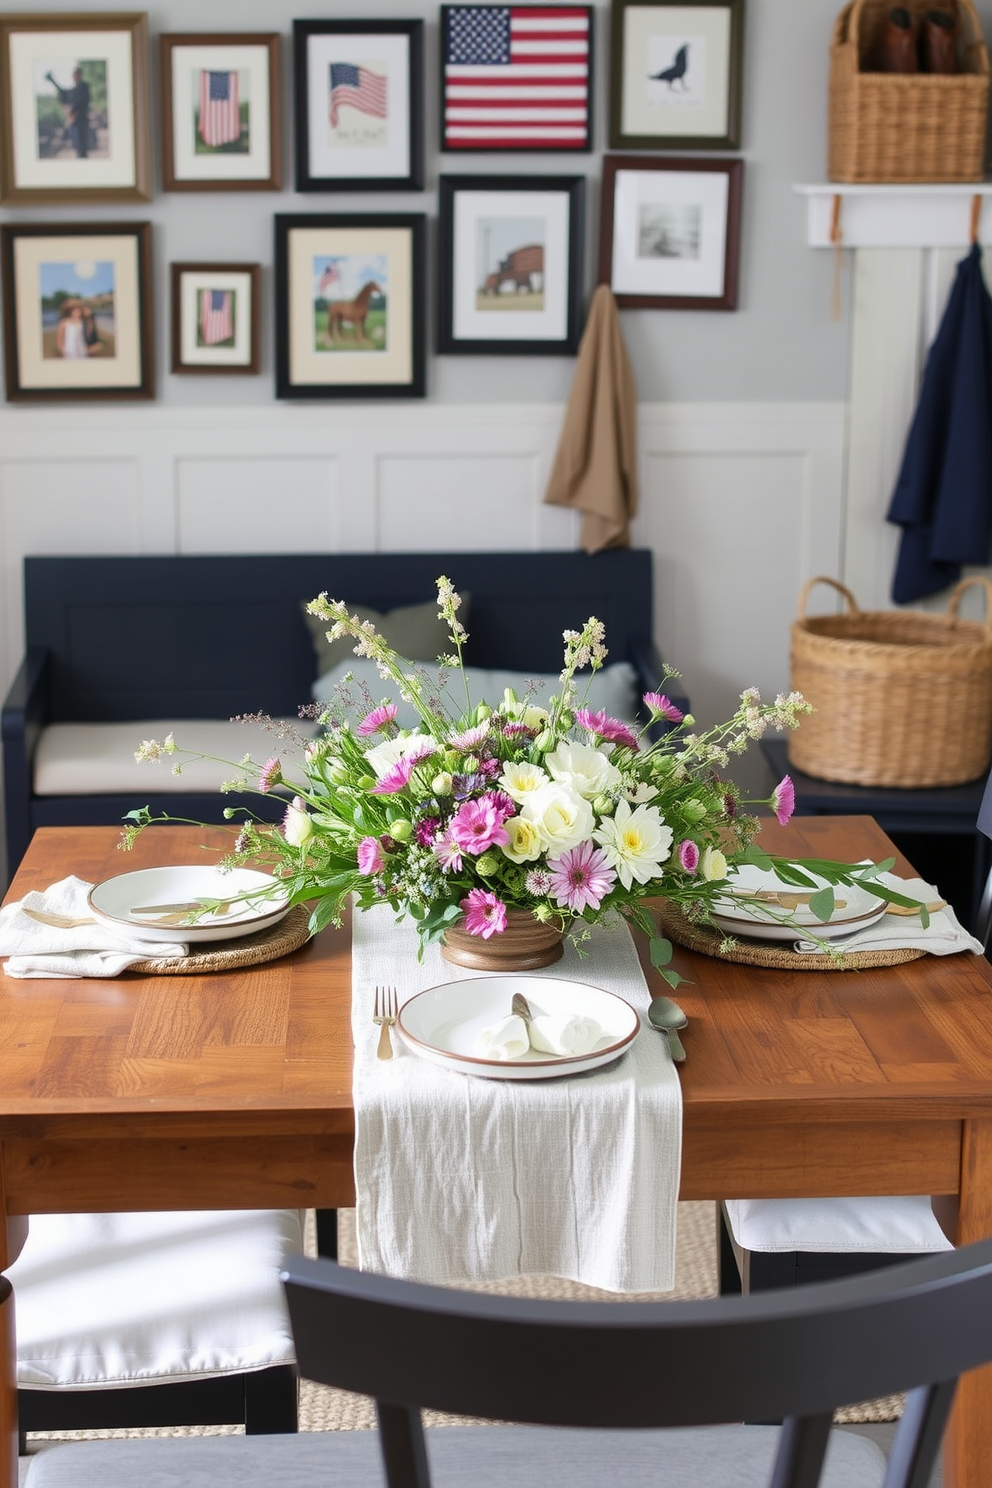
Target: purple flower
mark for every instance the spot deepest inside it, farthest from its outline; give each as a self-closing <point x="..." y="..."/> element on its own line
<point x="518" y="731"/>
<point x="485" y="914"/>
<point x="377" y="719"/>
<point x="783" y="801"/>
<point x="426" y="830"/>
<point x="663" y="706"/>
<point x="370" y="856"/>
<point x="503" y="804"/>
<point x="448" y="854"/>
<point x="270" y="776"/>
<point x="689" y="855"/>
<point x="581" y="877"/>
<point x="477" y="825"/>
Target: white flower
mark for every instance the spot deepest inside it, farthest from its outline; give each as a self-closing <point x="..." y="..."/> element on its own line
<point x="586" y="769"/>
<point x="712" y="864"/>
<point x="382" y="757"/>
<point x="562" y="818"/>
<point x="525" y="842"/>
<point x="636" y="842"/>
<point x="641" y="792"/>
<point x="520" y="779"/>
<point x="297" y="826"/>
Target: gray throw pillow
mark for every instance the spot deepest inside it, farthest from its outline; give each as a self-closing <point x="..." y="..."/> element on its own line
<point x="415" y="632"/>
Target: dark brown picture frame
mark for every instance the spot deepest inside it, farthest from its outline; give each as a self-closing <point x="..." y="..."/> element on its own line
<point x="172" y="42"/>
<point x="14" y="188"/>
<point x="733" y="169"/>
<point x="250" y="366"/>
<point x="18" y="296"/>
<point x="731" y="85"/>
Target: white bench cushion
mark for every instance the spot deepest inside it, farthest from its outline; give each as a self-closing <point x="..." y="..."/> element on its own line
<point x="142" y="1299"/>
<point x="97" y="759"/>
<point x="891" y="1225"/>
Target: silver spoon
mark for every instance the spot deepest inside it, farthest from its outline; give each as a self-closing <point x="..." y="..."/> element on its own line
<point x="668" y="1017"/>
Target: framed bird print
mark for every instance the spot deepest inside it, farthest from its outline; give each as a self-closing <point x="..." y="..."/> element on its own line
<point x="220" y="112"/>
<point x="359" y="105"/>
<point x="675" y="78"/>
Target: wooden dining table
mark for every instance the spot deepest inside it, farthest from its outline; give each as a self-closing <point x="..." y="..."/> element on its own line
<point x="233" y="1088"/>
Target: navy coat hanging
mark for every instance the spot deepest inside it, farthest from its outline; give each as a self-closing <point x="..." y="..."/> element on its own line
<point x="943" y="497"/>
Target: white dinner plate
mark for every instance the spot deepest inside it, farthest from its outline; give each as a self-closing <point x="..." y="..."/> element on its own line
<point x="738" y="916"/>
<point x="442" y="1024"/>
<point x="116" y="899"/>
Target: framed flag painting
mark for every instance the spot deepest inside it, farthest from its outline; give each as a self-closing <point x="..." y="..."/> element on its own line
<point x="675" y="78"/>
<point x="220" y="112"/>
<point x="516" y="77"/>
<point x="359" y="105"/>
<point x="215" y="312"/>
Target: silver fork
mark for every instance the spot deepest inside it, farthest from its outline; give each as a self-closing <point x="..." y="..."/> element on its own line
<point x="386" y="1010"/>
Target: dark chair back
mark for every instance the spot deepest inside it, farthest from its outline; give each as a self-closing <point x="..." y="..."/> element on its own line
<point x="983" y="923"/>
<point x="793" y="1355"/>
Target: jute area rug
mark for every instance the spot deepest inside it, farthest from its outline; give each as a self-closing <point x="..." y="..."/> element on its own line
<point x="324" y="1409"/>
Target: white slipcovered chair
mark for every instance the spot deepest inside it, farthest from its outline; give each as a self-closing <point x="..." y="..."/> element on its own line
<point x="162" y="1319"/>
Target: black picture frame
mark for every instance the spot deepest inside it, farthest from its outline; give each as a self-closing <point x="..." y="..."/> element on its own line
<point x="653" y="33"/>
<point x="337" y="166"/>
<point x="471" y="243"/>
<point x="345" y="242"/>
<point x="475" y="39"/>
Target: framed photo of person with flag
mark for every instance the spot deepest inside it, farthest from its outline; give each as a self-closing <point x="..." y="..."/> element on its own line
<point x="220" y="112"/>
<point x="215" y="317"/>
<point x="359" y="105"/>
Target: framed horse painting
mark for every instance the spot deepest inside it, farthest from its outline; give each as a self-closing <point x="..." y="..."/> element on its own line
<point x="350" y="295"/>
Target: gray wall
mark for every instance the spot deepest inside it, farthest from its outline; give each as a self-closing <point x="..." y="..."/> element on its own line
<point x="780" y="344"/>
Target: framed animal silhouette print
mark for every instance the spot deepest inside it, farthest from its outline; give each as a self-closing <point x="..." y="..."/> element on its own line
<point x="350" y="293"/>
<point x="675" y="74"/>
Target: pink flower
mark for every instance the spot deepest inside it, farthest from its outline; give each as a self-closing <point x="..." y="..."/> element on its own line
<point x="538" y="883"/>
<point x="395" y="779"/>
<point x="426" y="830"/>
<point x="477" y="825"/>
<point x="377" y="719"/>
<point x="469" y="738"/>
<point x="689" y="856"/>
<point x="581" y="877"/>
<point x="663" y="706"/>
<point x="485" y="914"/>
<point x="448" y="854"/>
<point x="517" y="731"/>
<point x="371" y="858"/>
<point x="270" y="776"/>
<point x="502" y="803"/>
<point x="783" y="801"/>
<point x="610" y="729"/>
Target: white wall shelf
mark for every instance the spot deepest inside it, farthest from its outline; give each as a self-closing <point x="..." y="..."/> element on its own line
<point x="911" y="216"/>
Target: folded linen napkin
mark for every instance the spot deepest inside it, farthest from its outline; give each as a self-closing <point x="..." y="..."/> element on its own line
<point x="93" y="950"/>
<point x="944" y="936"/>
<point x="465" y="1179"/>
<point x="506" y="1039"/>
<point x="551" y="1034"/>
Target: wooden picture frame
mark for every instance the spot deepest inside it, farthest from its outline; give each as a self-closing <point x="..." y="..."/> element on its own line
<point x="358" y="105"/>
<point x="77" y="311"/>
<point x="221" y="114"/>
<point x="510" y="265"/>
<point x="675" y="74"/>
<point x="74" y="109"/>
<point x="350" y="317"/>
<point x="215" y="318"/>
<point x="670" y="232"/>
<point x="490" y="97"/>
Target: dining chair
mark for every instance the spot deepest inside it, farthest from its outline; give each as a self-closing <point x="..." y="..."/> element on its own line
<point x="657" y="1381"/>
<point x="161" y="1319"/>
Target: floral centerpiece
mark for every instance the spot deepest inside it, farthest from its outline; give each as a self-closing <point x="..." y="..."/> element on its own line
<point x="516" y="808"/>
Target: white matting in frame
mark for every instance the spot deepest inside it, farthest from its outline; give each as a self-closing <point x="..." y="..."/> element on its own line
<point x="472" y="209"/>
<point x="113" y="259"/>
<point x="360" y="145"/>
<point x="190" y="285"/>
<point x="698" y="103"/>
<point x="33" y="54"/>
<point x="309" y="248"/>
<point x="669" y="232"/>
<point x="252" y="65"/>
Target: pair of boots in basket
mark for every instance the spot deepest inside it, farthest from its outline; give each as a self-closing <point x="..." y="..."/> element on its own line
<point x="903" y="46"/>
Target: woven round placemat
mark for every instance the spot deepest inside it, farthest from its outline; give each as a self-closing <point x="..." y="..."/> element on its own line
<point x="231" y="955"/>
<point x="705" y="939"/>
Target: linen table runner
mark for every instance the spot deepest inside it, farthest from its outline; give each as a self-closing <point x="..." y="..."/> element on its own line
<point x="463" y="1179"/>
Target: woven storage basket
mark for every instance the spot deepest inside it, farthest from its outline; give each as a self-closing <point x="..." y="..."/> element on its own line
<point x="900" y="697"/>
<point x="905" y="127"/>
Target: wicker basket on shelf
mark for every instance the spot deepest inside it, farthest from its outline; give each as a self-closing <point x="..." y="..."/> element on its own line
<point x="900" y="697"/>
<point x="905" y="127"/>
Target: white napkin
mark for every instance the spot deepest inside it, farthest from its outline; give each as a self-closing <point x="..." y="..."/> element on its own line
<point x="36" y="950"/>
<point x="551" y="1034"/>
<point x="506" y="1039"/>
<point x="944" y="936"/>
<point x="465" y="1179"/>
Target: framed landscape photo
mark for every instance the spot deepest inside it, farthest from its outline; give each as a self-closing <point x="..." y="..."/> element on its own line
<point x="670" y="232"/>
<point x="359" y="105"/>
<point x="220" y="112"/>
<point x="215" y="315"/>
<point x="77" y="310"/>
<point x="510" y="264"/>
<point x="675" y="74"/>
<point x="516" y="77"/>
<point x="350" y="295"/>
<point x="74" y="108"/>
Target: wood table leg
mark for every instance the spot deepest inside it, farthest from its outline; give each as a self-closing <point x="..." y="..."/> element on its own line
<point x="968" y="1443"/>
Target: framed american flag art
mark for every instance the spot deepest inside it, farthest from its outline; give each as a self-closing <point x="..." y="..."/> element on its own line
<point x="516" y="77"/>
<point x="220" y="112"/>
<point x="215" y="314"/>
<point x="359" y="105"/>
